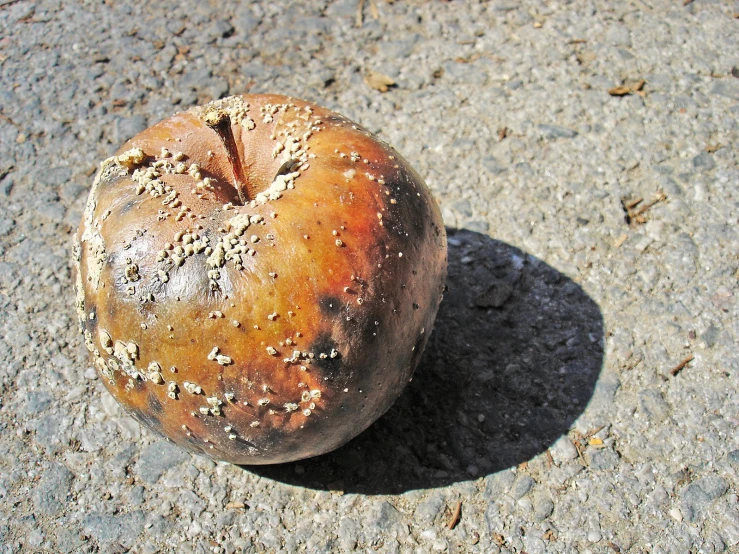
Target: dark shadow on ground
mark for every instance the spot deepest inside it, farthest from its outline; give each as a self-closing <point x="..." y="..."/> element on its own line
<point x="513" y="361"/>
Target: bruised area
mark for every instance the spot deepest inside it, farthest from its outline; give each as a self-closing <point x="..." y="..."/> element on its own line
<point x="262" y="275"/>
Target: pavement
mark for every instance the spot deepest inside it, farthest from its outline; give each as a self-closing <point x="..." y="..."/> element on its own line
<point x="580" y="390"/>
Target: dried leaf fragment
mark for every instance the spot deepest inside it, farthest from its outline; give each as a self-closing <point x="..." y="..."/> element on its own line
<point x="711" y="148"/>
<point x="378" y="81"/>
<point x="620" y="91"/>
<point x="628" y="88"/>
<point x="456" y="514"/>
<point x="469" y="59"/>
<point x="675" y="370"/>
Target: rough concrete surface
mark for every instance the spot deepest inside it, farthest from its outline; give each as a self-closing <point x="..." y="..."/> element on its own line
<point x="549" y="402"/>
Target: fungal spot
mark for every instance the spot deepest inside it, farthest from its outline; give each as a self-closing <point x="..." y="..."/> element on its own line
<point x="329" y="305"/>
<point x="332" y="364"/>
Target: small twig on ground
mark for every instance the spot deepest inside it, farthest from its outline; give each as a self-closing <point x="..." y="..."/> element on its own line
<point x="6" y="119"/>
<point x="633" y="204"/>
<point x="635" y="217"/>
<point x="678" y="368"/>
<point x="662" y="196"/>
<point x="594" y="431"/>
<point x="456" y="514"/>
<point x="578" y="447"/>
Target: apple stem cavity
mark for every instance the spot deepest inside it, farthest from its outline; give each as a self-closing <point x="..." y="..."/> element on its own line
<point x="220" y="122"/>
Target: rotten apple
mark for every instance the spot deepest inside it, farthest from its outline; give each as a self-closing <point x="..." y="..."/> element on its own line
<point x="257" y="277"/>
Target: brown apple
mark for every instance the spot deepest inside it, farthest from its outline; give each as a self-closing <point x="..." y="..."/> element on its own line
<point x="257" y="277"/>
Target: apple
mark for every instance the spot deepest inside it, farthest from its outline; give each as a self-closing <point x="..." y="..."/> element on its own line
<point x="257" y="278"/>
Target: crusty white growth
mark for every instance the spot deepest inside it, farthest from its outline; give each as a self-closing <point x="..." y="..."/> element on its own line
<point x="278" y="186"/>
<point x="239" y="224"/>
<point x="236" y="109"/>
<point x="131" y="158"/>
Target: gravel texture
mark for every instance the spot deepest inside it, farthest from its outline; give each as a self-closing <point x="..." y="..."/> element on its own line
<point x="547" y="402"/>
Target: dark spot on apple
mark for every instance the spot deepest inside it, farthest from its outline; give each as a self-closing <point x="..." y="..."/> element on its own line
<point x="154" y="404"/>
<point x="245" y="442"/>
<point x="330" y="305"/>
<point x="147" y="418"/>
<point x="194" y="441"/>
<point x="128" y="206"/>
<point x="336" y="119"/>
<point x="329" y="367"/>
<point x="409" y="218"/>
<point x="363" y="324"/>
<point x="91" y="324"/>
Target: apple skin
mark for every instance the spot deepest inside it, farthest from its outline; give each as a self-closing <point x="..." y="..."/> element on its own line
<point x="275" y="342"/>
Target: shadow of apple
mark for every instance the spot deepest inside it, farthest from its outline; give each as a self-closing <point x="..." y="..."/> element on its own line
<point x="513" y="361"/>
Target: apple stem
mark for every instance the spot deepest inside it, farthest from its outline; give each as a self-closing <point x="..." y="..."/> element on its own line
<point x="220" y="122"/>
